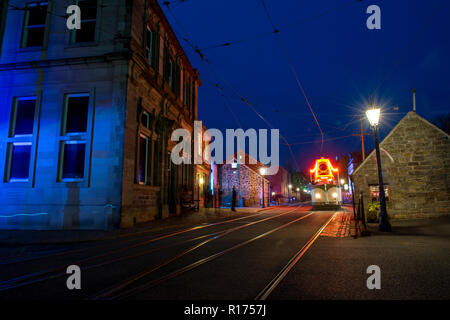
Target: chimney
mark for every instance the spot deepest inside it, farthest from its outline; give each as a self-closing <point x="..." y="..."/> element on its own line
<point x="414" y="100"/>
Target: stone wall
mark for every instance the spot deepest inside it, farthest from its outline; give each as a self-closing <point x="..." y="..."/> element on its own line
<point x="251" y="185"/>
<point x="418" y="174"/>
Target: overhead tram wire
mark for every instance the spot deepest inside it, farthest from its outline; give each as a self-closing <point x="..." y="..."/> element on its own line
<point x="242" y="98"/>
<point x="296" y="24"/>
<point x="276" y="31"/>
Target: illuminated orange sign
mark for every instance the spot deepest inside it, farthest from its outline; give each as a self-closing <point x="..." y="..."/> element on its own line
<point x="323" y="171"/>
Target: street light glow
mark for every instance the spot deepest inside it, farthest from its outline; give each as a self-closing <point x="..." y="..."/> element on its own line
<point x="262" y="171"/>
<point x="317" y="195"/>
<point x="374" y="116"/>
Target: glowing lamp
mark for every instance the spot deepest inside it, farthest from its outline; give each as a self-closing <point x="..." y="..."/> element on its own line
<point x="298" y="189"/>
<point x="273" y="193"/>
<point x="201" y="181"/>
<point x="317" y="195"/>
<point x="334" y="195"/>
<point x="342" y="181"/>
<point x="290" y="186"/>
<point x="262" y="171"/>
<point x="373" y="115"/>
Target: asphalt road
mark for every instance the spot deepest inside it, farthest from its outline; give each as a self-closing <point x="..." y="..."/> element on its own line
<point x="233" y="258"/>
<point x="236" y="258"/>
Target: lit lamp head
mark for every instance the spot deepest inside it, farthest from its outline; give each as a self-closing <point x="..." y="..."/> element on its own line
<point x="201" y="181"/>
<point x="317" y="195"/>
<point x="373" y="115"/>
<point x="290" y="186"/>
<point x="298" y="189"/>
<point x="262" y="171"/>
<point x="342" y="181"/>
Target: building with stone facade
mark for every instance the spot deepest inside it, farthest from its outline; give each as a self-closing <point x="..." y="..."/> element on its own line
<point x="415" y="158"/>
<point x="251" y="186"/>
<point x="86" y="115"/>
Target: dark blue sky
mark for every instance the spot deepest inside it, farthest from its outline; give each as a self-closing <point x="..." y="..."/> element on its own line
<point x="340" y="63"/>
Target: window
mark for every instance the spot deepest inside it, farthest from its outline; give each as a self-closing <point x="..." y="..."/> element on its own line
<point x="3" y="14"/>
<point x="73" y="155"/>
<point x="22" y="119"/>
<point x="88" y="22"/>
<point x="19" y="149"/>
<point x="374" y="190"/>
<point x="19" y="155"/>
<point x="74" y="137"/>
<point x="76" y="113"/>
<point x="34" y="25"/>
<point x="144" y="160"/>
<point x="152" y="47"/>
<point x="144" y="149"/>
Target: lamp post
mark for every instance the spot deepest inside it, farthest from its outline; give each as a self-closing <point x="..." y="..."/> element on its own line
<point x="263" y="172"/>
<point x="373" y="115"/>
<point x="289" y="193"/>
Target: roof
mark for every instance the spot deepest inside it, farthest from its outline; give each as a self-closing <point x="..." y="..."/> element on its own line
<point x="408" y="115"/>
<point x="256" y="166"/>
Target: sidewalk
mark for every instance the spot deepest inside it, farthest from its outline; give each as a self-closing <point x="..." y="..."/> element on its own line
<point x="413" y="260"/>
<point x="204" y="215"/>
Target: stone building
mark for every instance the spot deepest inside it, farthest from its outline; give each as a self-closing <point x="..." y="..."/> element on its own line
<point x="248" y="181"/>
<point x="415" y="158"/>
<point x="86" y="115"/>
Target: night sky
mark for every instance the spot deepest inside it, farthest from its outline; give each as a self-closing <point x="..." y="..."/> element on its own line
<point x="340" y="64"/>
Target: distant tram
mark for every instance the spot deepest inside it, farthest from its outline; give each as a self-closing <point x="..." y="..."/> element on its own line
<point x="325" y="188"/>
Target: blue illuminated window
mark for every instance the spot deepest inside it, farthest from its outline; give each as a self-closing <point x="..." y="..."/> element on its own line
<point x="20" y="154"/>
<point x="73" y="155"/>
<point x="76" y="113"/>
<point x="88" y="22"/>
<point x="22" y="120"/>
<point x="34" y="25"/>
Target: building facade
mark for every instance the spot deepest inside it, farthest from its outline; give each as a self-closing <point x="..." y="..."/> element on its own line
<point x="251" y="186"/>
<point x="86" y="115"/>
<point x="415" y="158"/>
<point x="279" y="185"/>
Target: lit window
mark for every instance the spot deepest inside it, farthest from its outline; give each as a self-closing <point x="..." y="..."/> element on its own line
<point x="34" y="25"/>
<point x="88" y="22"/>
<point x="20" y="153"/>
<point x="76" y="113"/>
<point x="73" y="156"/>
<point x="23" y="116"/>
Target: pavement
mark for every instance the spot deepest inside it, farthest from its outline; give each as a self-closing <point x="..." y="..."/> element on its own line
<point x="414" y="261"/>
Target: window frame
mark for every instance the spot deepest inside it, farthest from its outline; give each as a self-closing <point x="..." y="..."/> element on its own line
<point x="146" y="132"/>
<point x="22" y="139"/>
<point x="25" y="27"/>
<point x="76" y="137"/>
<point x="73" y="33"/>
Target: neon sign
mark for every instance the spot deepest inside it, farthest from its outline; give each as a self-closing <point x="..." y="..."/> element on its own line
<point x="323" y="171"/>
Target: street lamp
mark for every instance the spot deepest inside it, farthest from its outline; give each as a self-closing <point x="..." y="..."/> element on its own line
<point x="289" y="193"/>
<point x="373" y="115"/>
<point x="263" y="172"/>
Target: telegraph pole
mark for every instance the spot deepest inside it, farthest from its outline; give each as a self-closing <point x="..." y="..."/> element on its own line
<point x="362" y="138"/>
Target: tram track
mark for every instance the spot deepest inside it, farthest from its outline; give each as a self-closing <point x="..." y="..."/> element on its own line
<point x="270" y="287"/>
<point x="154" y="238"/>
<point x="53" y="273"/>
<point x="119" y="291"/>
